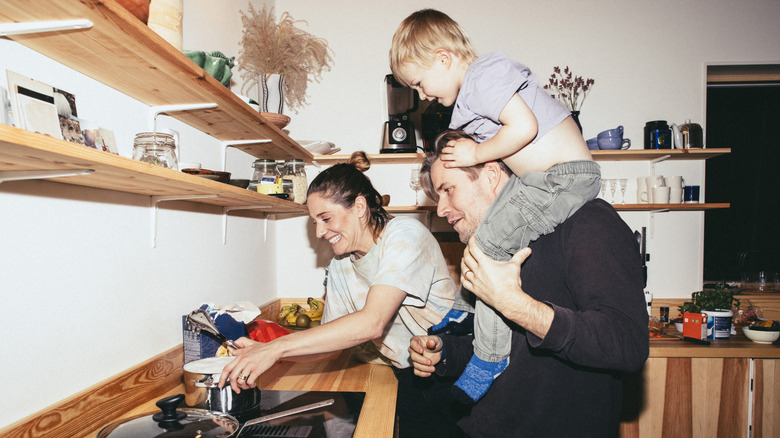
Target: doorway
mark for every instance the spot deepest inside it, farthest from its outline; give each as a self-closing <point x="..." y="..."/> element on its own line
<point x="743" y="113"/>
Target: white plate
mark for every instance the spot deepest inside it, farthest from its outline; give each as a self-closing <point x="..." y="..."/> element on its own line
<point x="319" y="147"/>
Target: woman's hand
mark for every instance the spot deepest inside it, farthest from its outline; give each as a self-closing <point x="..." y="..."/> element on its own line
<point x="460" y="153"/>
<point x="252" y="359"/>
<point x="425" y="352"/>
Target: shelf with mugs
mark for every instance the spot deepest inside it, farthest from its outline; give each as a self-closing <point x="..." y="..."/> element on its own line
<point x="653" y="155"/>
<point x="121" y="52"/>
<point x="29" y="155"/>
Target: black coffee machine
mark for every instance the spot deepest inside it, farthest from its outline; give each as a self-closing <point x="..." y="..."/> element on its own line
<point x="398" y="135"/>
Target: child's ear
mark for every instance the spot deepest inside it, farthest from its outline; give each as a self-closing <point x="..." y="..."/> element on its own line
<point x="444" y="57"/>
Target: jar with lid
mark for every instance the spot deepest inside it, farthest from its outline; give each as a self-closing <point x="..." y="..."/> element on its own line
<point x="265" y="172"/>
<point x="294" y="171"/>
<point x="157" y="148"/>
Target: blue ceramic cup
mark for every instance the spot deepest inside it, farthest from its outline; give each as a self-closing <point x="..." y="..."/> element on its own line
<point x="612" y="133"/>
<point x="593" y="144"/>
<point x="614" y="143"/>
<point x="691" y="194"/>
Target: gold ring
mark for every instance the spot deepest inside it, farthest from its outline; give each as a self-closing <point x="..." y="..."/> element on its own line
<point x="241" y="377"/>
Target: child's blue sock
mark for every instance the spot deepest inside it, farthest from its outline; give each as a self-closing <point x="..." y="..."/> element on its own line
<point x="455" y="322"/>
<point x="476" y="379"/>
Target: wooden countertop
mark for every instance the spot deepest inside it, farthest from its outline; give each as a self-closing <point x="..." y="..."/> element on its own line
<point x="136" y="390"/>
<point x="736" y="346"/>
<point x="377" y="417"/>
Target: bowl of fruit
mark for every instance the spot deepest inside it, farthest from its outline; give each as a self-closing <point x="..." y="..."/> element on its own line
<point x="762" y="332"/>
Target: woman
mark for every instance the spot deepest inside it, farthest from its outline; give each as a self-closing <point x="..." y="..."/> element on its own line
<point x="387" y="283"/>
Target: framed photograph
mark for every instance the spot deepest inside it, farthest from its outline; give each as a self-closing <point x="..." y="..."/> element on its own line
<point x="33" y="105"/>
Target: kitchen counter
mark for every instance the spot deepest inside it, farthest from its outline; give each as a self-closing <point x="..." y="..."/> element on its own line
<point x="377" y="417"/>
<point x="736" y="346"/>
<point x="136" y="390"/>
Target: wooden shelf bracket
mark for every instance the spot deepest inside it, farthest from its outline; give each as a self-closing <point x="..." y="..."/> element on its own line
<point x="155" y="200"/>
<point x="7" y="29"/>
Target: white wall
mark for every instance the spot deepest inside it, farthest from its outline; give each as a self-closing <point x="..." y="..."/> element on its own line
<point x="85" y="294"/>
<point x="648" y="60"/>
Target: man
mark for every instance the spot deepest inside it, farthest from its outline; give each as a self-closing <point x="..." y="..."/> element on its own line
<point x="576" y="308"/>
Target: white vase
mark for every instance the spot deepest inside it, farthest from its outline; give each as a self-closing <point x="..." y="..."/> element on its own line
<point x="165" y="18"/>
<point x="271" y="94"/>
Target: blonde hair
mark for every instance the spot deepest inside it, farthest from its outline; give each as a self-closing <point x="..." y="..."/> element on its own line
<point x="421" y="34"/>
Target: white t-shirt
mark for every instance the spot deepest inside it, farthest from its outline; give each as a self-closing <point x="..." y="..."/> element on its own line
<point x="409" y="258"/>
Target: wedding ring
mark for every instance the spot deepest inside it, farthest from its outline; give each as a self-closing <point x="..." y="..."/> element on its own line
<point x="241" y="377"/>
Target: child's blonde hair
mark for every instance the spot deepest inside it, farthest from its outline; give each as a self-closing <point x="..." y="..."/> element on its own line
<point x="421" y="34"/>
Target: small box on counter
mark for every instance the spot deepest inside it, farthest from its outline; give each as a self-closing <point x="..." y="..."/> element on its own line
<point x="695" y="325"/>
<point x="198" y="345"/>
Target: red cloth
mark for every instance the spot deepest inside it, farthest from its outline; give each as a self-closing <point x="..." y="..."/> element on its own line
<point x="265" y="331"/>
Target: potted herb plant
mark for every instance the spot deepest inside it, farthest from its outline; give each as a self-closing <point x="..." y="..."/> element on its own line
<point x="279" y="59"/>
<point x="717" y="302"/>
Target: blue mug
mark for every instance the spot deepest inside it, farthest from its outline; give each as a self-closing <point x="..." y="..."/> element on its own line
<point x="593" y="144"/>
<point x="614" y="143"/>
<point x="612" y="133"/>
<point x="691" y="194"/>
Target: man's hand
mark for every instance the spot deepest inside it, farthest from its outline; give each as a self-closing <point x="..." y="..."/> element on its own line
<point x="495" y="283"/>
<point x="460" y="153"/>
<point x="498" y="285"/>
<point x="425" y="352"/>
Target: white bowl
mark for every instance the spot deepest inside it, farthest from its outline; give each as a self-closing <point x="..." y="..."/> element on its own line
<point x="760" y="336"/>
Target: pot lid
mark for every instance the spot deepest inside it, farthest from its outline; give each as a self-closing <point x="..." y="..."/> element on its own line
<point x="173" y="423"/>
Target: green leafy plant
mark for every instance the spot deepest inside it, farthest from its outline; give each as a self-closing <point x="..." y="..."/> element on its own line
<point x="710" y="299"/>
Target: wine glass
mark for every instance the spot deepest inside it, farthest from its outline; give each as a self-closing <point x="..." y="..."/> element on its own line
<point x="623" y="184"/>
<point x="603" y="187"/>
<point x="414" y="183"/>
<point x="612" y="187"/>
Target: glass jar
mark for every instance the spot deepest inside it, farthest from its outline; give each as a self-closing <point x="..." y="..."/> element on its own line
<point x="294" y="171"/>
<point x="157" y="148"/>
<point x="265" y="172"/>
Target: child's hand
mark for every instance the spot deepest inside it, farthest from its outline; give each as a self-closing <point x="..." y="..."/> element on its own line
<point x="460" y="153"/>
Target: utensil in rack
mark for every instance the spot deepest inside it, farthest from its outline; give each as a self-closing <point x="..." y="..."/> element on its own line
<point x="200" y="320"/>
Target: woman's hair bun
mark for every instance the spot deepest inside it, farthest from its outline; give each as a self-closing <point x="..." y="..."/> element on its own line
<point x="360" y="161"/>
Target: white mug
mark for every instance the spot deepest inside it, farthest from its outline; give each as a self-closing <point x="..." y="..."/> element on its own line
<point x="676" y="183"/>
<point x="641" y="190"/>
<point x="653" y="182"/>
<point x="661" y="195"/>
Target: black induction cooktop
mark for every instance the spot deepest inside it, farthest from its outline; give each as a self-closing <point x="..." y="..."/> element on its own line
<point x="335" y="421"/>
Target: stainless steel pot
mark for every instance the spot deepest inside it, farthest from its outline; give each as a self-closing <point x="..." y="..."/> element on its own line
<point x="201" y="378"/>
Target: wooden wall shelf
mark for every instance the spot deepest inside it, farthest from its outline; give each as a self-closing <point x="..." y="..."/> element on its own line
<point x="124" y="54"/>
<point x="626" y="155"/>
<point x="24" y="151"/>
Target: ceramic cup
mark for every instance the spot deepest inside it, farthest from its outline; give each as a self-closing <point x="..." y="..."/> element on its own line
<point x="641" y="190"/>
<point x="661" y="195"/>
<point x="612" y="133"/>
<point x="614" y="143"/>
<point x="691" y="194"/>
<point x="676" y="184"/>
<point x="593" y="144"/>
<point x="653" y="182"/>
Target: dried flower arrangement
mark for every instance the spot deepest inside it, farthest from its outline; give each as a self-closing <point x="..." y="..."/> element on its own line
<point x="568" y="89"/>
<point x="268" y="47"/>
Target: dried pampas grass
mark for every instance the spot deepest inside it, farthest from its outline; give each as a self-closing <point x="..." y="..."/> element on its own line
<point x="268" y="47"/>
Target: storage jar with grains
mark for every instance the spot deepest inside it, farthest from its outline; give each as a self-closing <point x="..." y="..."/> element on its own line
<point x="156" y="148"/>
<point x="294" y="170"/>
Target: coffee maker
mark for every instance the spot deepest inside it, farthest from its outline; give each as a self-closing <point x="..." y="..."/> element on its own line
<point x="398" y="135"/>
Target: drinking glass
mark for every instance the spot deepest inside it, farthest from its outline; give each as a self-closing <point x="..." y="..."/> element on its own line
<point x="414" y="183"/>
<point x="603" y="188"/>
<point x="623" y="184"/>
<point x="612" y="187"/>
